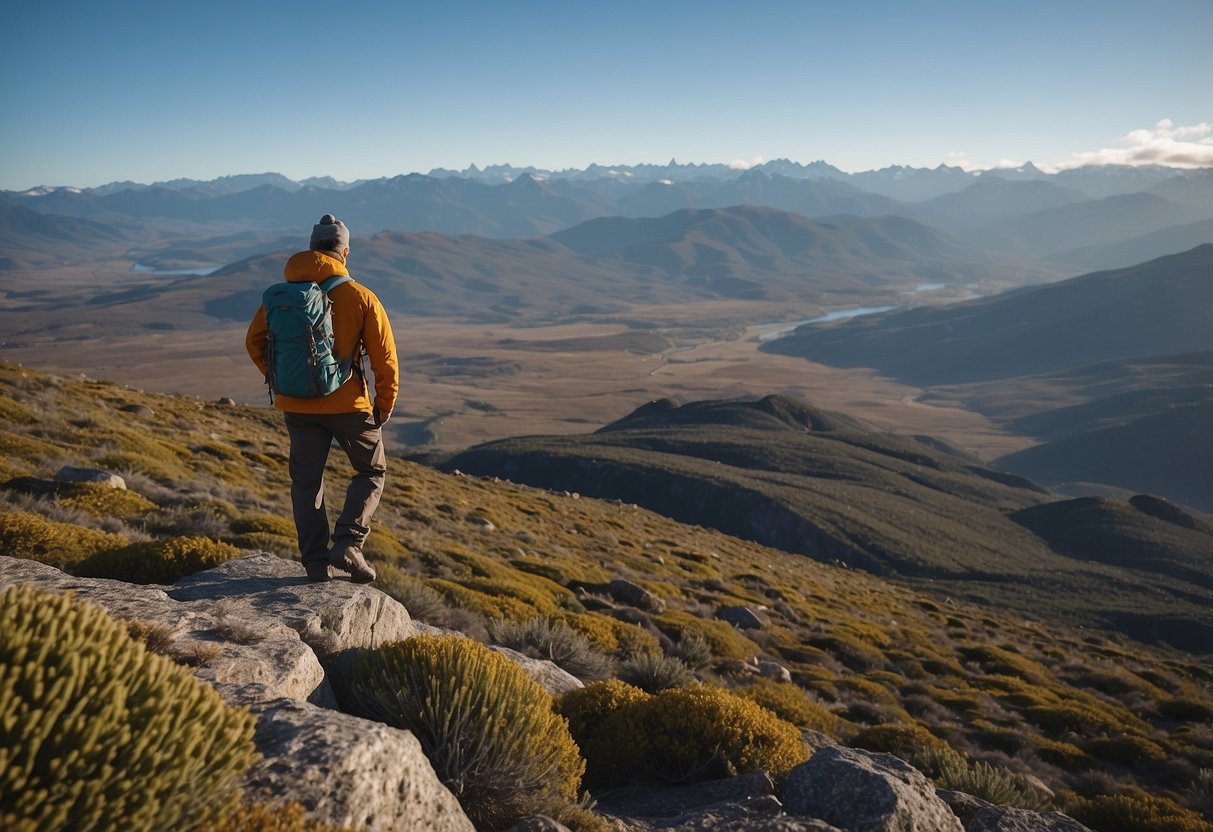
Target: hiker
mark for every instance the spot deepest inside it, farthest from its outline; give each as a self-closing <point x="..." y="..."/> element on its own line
<point x="314" y="416"/>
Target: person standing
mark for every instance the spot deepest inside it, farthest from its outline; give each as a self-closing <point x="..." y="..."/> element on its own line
<point x="349" y="414"/>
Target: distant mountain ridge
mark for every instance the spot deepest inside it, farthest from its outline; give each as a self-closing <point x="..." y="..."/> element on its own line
<point x="897" y="181"/>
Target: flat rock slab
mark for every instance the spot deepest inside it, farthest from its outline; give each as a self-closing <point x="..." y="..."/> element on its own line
<point x="349" y="772"/>
<point x="1009" y="819"/>
<point x="220" y="641"/>
<point x="331" y="618"/>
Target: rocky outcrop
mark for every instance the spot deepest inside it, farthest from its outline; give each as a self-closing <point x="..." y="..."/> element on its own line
<point x="95" y="476"/>
<point x="860" y="791"/>
<point x="349" y="772"/>
<point x="550" y="676"/>
<point x="1009" y="819"/>
<point x="263" y="635"/>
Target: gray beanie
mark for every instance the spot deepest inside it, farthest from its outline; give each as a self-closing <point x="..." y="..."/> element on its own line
<point x="330" y="228"/>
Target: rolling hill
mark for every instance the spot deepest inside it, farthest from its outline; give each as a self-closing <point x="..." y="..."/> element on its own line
<point x="787" y="475"/>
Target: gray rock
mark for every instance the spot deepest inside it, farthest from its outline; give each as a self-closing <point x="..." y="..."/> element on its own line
<point x="743" y="618"/>
<point x="774" y="671"/>
<point x="635" y="595"/>
<point x="746" y="802"/>
<point x="1009" y="819"/>
<point x="349" y="772"/>
<point x="95" y="476"/>
<point x="859" y="791"/>
<point x="138" y="410"/>
<point x="237" y="649"/>
<point x="331" y="618"/>
<point x="963" y="805"/>
<point x="226" y="401"/>
<point x="550" y="676"/>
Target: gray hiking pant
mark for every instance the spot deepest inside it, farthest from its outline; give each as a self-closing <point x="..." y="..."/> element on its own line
<point x="312" y="435"/>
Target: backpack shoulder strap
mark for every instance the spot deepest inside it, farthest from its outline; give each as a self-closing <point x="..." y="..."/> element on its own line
<point x="334" y="281"/>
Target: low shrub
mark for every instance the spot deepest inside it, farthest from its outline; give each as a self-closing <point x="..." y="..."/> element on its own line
<point x="1184" y="709"/>
<point x="100" y="734"/>
<point x="655" y="673"/>
<point x="906" y="740"/>
<point x="694" y="732"/>
<point x="544" y="638"/>
<point x="791" y="703"/>
<point x="104" y="501"/>
<point x="991" y="783"/>
<point x="1135" y="811"/>
<point x="724" y="641"/>
<point x="157" y="561"/>
<point x="270" y="817"/>
<point x="487" y="728"/>
<point x="1127" y="750"/>
<point x="1064" y="755"/>
<point x="612" y="636"/>
<point x="62" y="545"/>
<point x="692" y="649"/>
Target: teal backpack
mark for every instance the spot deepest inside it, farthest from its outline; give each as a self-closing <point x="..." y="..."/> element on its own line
<point x="300" y="350"/>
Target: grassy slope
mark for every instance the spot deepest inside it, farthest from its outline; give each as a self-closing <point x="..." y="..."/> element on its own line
<point x="1044" y="699"/>
<point x="805" y="481"/>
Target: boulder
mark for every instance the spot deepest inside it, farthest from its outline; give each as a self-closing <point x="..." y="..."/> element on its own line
<point x="1010" y="819"/>
<point x="95" y="476"/>
<point x="635" y="595"/>
<point x="331" y="618"/>
<point x="774" y="671"/>
<point x="747" y="802"/>
<point x="221" y="644"/>
<point x="138" y="410"/>
<point x="348" y="772"/>
<point x="743" y="618"/>
<point x="861" y="791"/>
<point x="550" y="676"/>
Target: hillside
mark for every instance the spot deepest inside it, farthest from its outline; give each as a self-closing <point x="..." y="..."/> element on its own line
<point x="879" y="664"/>
<point x="786" y="475"/>
<point x="1161" y="306"/>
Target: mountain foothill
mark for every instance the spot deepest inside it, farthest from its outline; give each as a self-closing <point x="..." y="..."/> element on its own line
<point x="1104" y="378"/>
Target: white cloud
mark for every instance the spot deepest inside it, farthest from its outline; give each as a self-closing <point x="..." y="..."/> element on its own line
<point x="1164" y="144"/>
<point x="742" y="164"/>
<point x="960" y="159"/>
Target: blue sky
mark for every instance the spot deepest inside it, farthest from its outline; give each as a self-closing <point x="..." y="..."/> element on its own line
<point x="96" y="92"/>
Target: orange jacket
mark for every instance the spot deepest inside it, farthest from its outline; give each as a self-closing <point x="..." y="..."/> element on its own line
<point x="358" y="318"/>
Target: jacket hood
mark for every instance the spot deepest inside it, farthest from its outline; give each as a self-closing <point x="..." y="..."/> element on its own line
<point x="313" y="265"/>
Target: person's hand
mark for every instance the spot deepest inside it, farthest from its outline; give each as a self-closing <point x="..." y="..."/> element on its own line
<point x="381" y="418"/>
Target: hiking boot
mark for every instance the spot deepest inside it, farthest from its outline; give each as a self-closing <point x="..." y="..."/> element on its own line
<point x="348" y="558"/>
<point x="318" y="572"/>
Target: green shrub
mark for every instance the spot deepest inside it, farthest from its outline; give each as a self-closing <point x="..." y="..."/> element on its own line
<point x="992" y="784"/>
<point x="33" y="537"/>
<point x="270" y="817"/>
<point x="587" y="710"/>
<point x="1128" y="750"/>
<point x="487" y="728"/>
<point x="544" y="638"/>
<point x="266" y="523"/>
<point x="612" y="636"/>
<point x="1064" y="755"/>
<point x="692" y="649"/>
<point x="104" y="501"/>
<point x="147" y="465"/>
<point x="1135" y="811"/>
<point x="906" y="740"/>
<point x="100" y="734"/>
<point x="655" y="673"/>
<point x="723" y="639"/>
<point x="1184" y="709"/>
<point x="790" y="702"/>
<point x="694" y="732"/>
<point x="158" y="561"/>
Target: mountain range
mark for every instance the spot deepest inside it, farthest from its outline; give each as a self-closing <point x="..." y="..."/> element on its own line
<point x="1041" y="216"/>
